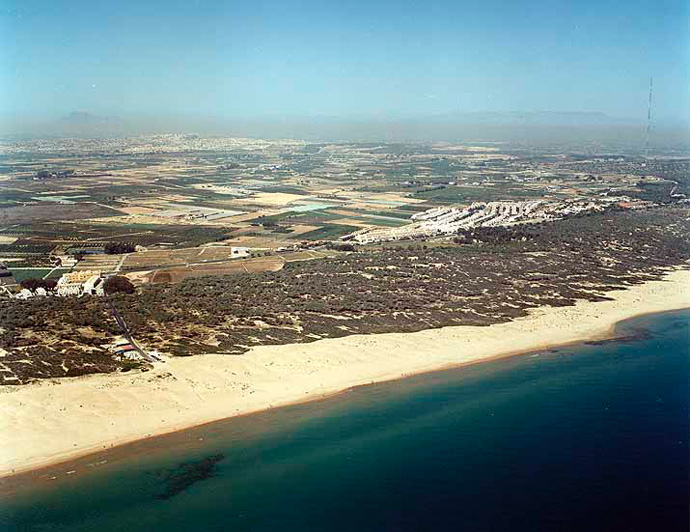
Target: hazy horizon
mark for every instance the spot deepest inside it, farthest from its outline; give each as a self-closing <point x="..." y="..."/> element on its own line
<point x="628" y="137"/>
<point x="154" y="66"/>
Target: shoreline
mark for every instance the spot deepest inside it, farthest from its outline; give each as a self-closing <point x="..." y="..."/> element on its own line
<point x="48" y="423"/>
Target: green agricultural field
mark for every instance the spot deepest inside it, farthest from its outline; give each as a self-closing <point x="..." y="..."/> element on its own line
<point x="29" y="273"/>
<point x="57" y="273"/>
<point x="288" y="189"/>
<point x="275" y="218"/>
<point x="392" y="213"/>
<point x="412" y="208"/>
<point x="385" y="222"/>
<point x="329" y="232"/>
<point x="462" y="194"/>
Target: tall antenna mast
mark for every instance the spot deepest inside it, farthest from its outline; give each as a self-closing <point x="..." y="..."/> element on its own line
<point x="649" y="120"/>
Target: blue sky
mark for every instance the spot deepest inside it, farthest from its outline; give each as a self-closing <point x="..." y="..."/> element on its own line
<point x="347" y="59"/>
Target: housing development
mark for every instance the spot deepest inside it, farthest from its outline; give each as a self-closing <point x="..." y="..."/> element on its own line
<point x="450" y="220"/>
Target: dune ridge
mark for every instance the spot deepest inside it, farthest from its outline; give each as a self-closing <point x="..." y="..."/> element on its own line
<point x="48" y="422"/>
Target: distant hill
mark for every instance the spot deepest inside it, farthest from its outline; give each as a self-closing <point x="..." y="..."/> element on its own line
<point x="541" y="118"/>
<point x="81" y="123"/>
<point x="81" y="118"/>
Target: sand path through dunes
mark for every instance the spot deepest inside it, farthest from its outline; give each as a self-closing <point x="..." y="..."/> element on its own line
<point x="49" y="422"/>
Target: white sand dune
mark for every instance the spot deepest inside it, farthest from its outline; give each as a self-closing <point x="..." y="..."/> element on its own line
<point x="53" y="421"/>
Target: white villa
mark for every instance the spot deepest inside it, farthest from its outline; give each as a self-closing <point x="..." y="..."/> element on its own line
<point x="236" y="252"/>
<point x="86" y="282"/>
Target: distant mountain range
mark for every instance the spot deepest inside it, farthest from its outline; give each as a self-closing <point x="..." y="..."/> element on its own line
<point x="543" y="118"/>
<point x="81" y="118"/>
<point x="539" y="127"/>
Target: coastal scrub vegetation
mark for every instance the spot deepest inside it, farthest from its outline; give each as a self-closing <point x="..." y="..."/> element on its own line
<point x="118" y="284"/>
<point x="483" y="277"/>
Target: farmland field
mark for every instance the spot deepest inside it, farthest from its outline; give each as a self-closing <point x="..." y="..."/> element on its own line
<point x="49" y="212"/>
<point x="29" y="273"/>
<point x="329" y="232"/>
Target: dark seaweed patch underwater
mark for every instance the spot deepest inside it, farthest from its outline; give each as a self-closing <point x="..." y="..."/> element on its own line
<point x="186" y="474"/>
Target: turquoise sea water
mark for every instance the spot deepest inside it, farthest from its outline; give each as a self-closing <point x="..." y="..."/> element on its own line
<point x="584" y="438"/>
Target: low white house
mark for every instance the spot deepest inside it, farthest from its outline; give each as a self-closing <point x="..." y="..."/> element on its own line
<point x="237" y="252"/>
<point x="24" y="294"/>
<point x="94" y="286"/>
<point x="79" y="283"/>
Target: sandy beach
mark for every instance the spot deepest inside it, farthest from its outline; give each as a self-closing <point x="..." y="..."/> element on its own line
<point x="49" y="422"/>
